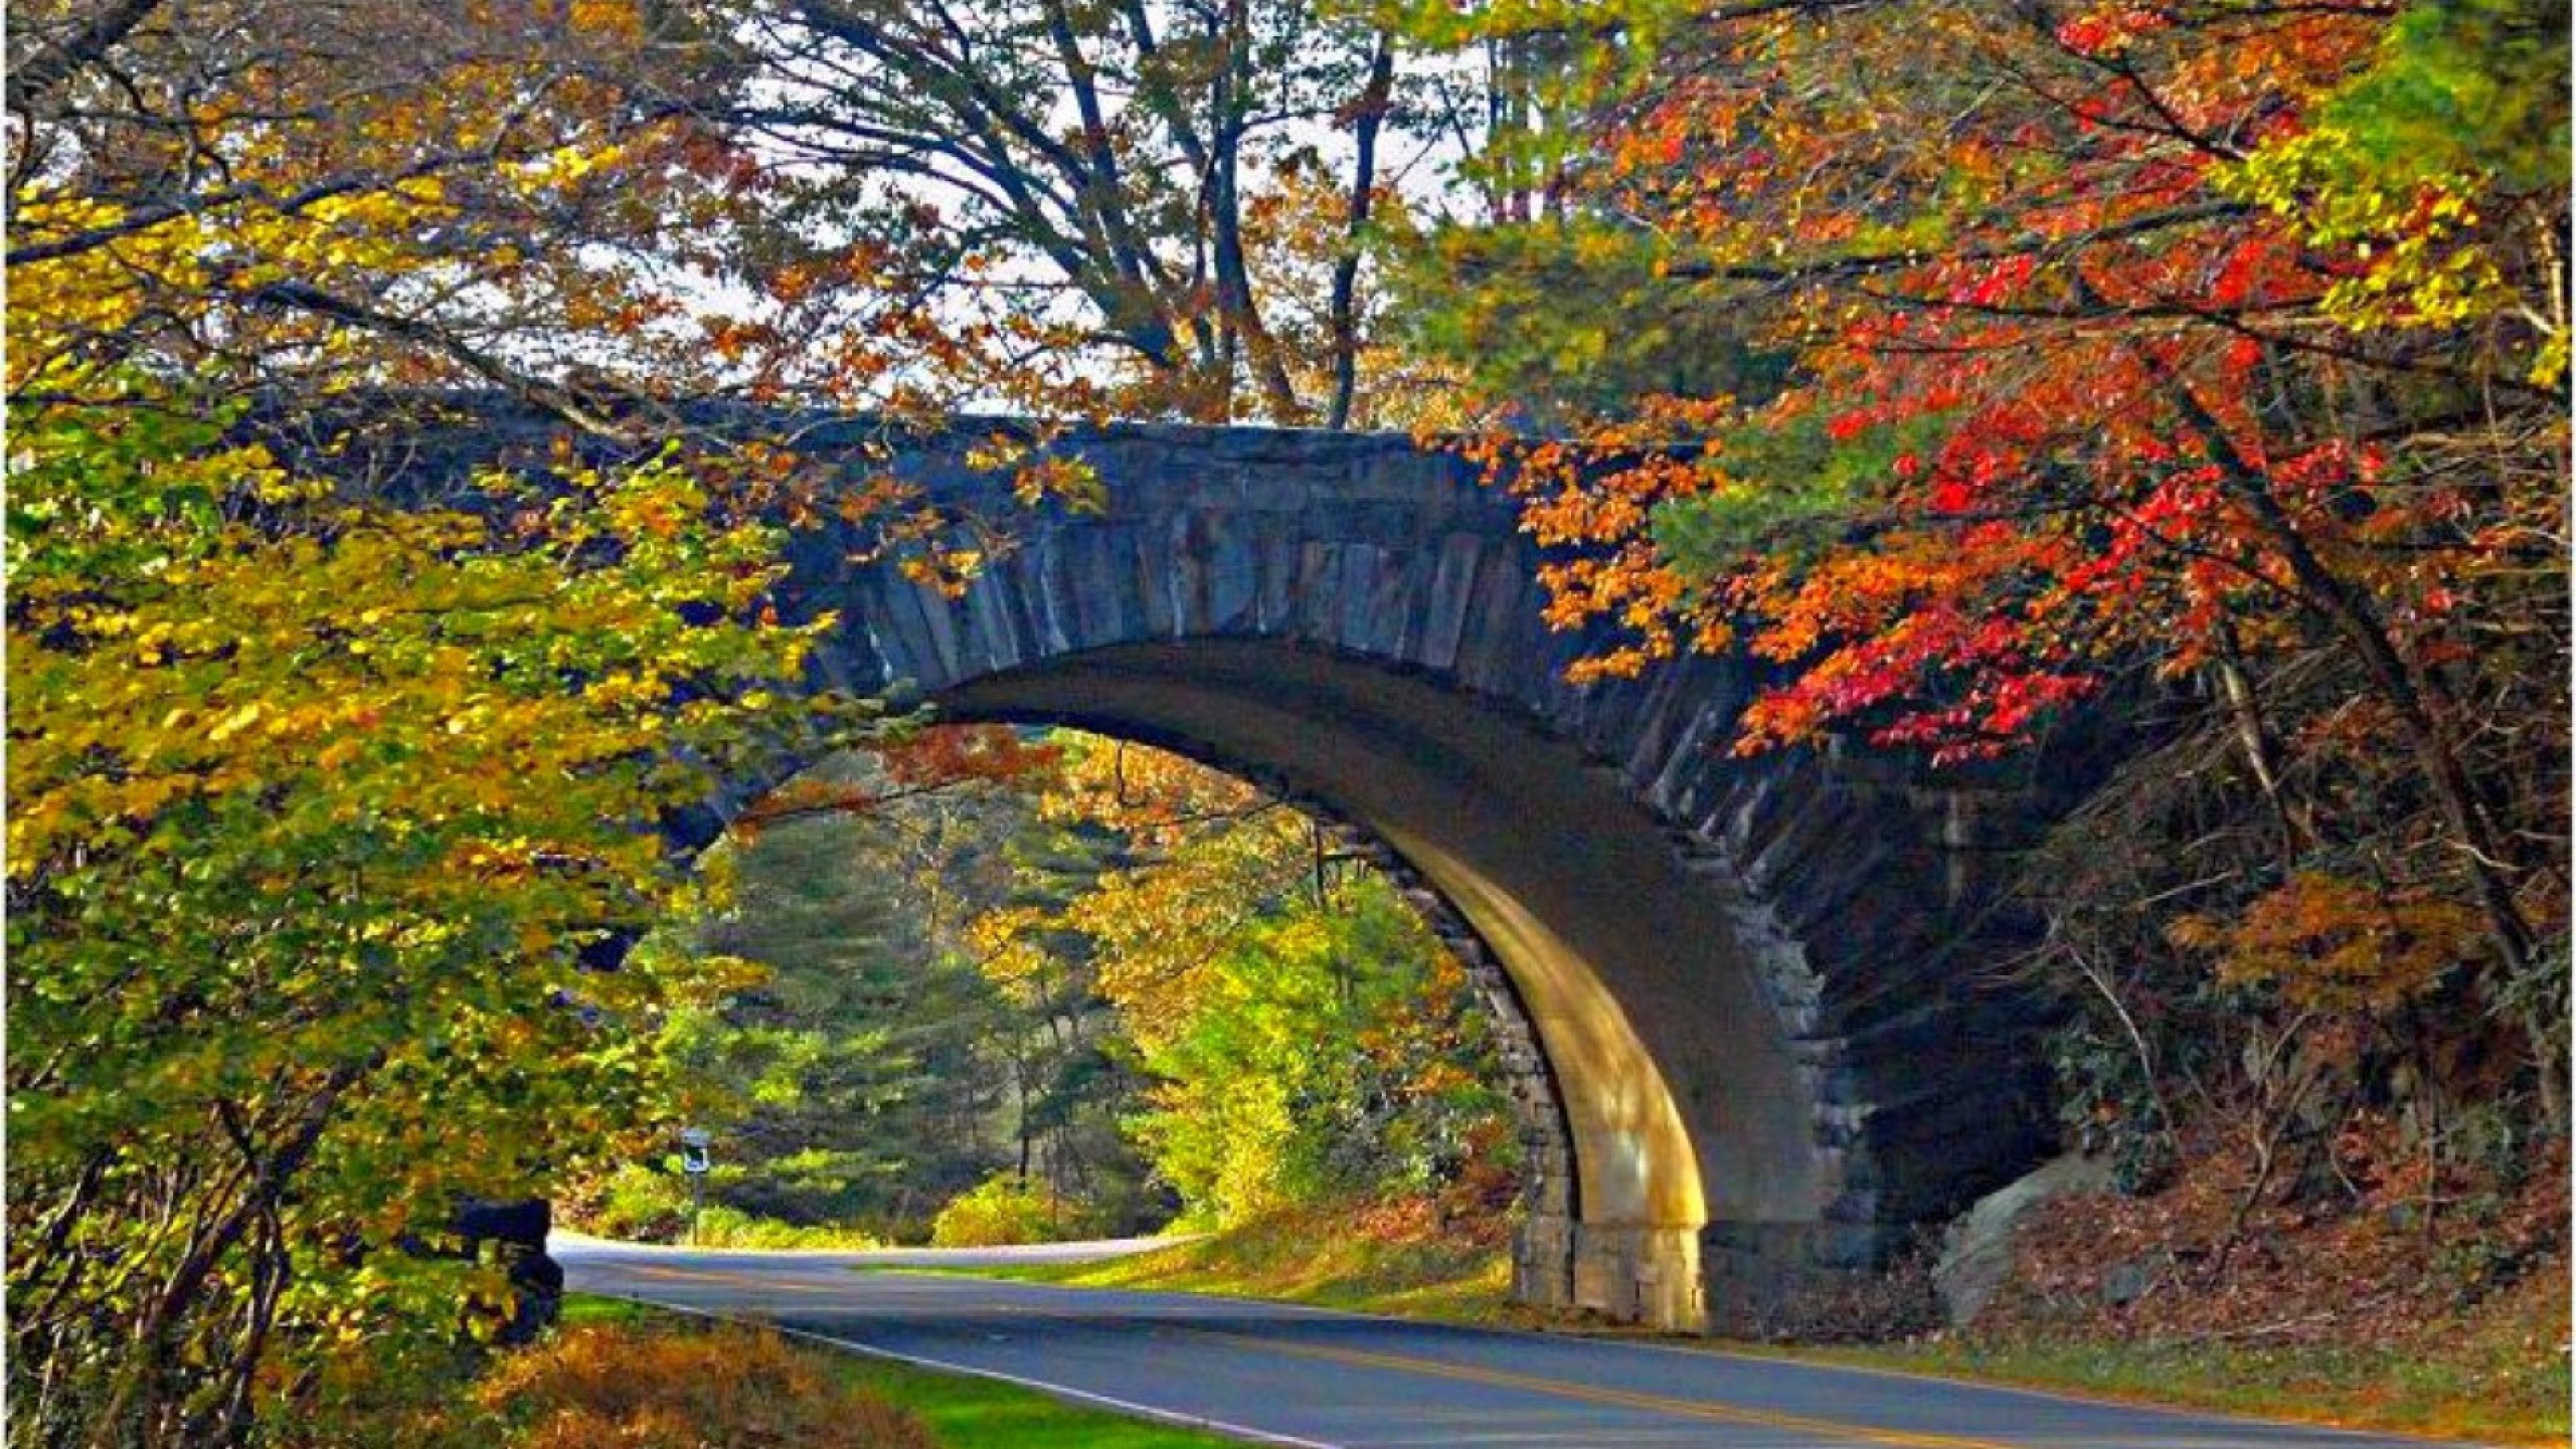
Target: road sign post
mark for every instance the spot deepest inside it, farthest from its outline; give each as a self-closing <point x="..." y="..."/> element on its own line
<point x="694" y="1162"/>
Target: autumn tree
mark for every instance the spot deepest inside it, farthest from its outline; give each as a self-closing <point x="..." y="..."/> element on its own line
<point x="2204" y="352"/>
<point x="324" y="814"/>
<point x="316" y="820"/>
<point x="1303" y="1035"/>
<point x="292" y="198"/>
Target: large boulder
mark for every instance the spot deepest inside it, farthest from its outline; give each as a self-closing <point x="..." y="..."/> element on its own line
<point x="1977" y="1250"/>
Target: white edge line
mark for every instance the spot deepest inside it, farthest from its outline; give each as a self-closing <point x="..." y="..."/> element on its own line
<point x="1061" y="1391"/>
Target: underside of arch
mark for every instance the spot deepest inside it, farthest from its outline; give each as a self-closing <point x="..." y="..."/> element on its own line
<point x="1680" y="1093"/>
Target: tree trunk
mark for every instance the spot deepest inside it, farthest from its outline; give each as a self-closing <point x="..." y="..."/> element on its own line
<point x="1370" y="114"/>
<point x="1233" y="277"/>
<point x="2416" y="702"/>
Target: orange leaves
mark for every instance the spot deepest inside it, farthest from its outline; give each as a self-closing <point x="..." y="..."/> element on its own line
<point x="800" y="798"/>
<point x="1037" y="473"/>
<point x="733" y="340"/>
<point x="1155" y="795"/>
<point x="2108" y="30"/>
<point x="926" y="762"/>
<point x="2334" y="944"/>
<point x="653" y="1388"/>
<point x="618" y="19"/>
<point x="955" y="754"/>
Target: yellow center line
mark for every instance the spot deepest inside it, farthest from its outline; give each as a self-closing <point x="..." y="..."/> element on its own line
<point x="739" y="1280"/>
<point x="1463" y="1373"/>
<point x="1621" y="1398"/>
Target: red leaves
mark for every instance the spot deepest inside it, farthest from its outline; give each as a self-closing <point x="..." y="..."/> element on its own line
<point x="2087" y="364"/>
<point x="942" y="758"/>
<point x="955" y="754"/>
<point x="1989" y="284"/>
<point x="2110" y="29"/>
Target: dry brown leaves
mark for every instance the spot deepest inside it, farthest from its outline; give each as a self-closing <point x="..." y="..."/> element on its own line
<point x="2374" y="1246"/>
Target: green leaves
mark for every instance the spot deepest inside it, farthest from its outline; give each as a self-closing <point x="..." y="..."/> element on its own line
<point x="2432" y="168"/>
<point x="1576" y="318"/>
<point x="1301" y="1035"/>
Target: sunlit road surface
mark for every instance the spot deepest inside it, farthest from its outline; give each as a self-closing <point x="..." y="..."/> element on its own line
<point x="1271" y="1373"/>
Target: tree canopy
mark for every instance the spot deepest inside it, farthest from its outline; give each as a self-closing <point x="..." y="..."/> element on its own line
<point x="325" y="812"/>
<point x="2204" y="361"/>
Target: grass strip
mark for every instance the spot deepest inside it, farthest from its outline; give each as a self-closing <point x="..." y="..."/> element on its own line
<point x="2519" y="1400"/>
<point x="1303" y="1257"/>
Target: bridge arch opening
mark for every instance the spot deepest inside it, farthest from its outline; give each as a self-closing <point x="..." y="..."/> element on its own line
<point x="1680" y="1096"/>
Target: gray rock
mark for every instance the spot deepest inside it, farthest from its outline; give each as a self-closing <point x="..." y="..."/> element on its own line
<point x="2128" y="1282"/>
<point x="1976" y="1251"/>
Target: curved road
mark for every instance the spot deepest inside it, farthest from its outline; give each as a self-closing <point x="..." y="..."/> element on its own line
<point x="1279" y="1374"/>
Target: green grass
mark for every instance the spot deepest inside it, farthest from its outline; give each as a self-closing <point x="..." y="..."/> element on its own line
<point x="587" y="1308"/>
<point x="974" y="1413"/>
<point x="964" y="1411"/>
<point x="1310" y="1257"/>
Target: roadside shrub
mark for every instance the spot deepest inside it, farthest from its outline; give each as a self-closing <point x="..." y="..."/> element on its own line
<point x="1007" y="1208"/>
<point x="412" y="1390"/>
<point x="641" y="1205"/>
<point x="642" y="1388"/>
<point x="724" y="1227"/>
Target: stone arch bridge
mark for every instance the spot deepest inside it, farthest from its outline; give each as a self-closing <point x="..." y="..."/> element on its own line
<point x="1748" y="1003"/>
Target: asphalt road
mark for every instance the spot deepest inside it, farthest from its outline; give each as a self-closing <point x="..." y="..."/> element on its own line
<point x="1277" y="1374"/>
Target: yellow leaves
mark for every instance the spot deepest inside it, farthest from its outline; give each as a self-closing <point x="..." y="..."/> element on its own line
<point x="2549" y="360"/>
<point x="41" y="215"/>
<point x="197" y="261"/>
<point x="625" y="689"/>
<point x="151" y="644"/>
<point x="234" y="723"/>
<point x="378" y="669"/>
<point x="1070" y="481"/>
<point x="948" y="571"/>
<point x="2417" y="255"/>
<point x="1038" y="476"/>
<point x="562" y="167"/>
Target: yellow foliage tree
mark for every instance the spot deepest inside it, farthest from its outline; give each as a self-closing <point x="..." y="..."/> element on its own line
<point x="325" y="815"/>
